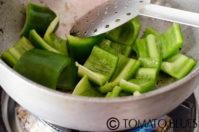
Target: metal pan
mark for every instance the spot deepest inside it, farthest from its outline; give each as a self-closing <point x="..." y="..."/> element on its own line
<point x="85" y="113"/>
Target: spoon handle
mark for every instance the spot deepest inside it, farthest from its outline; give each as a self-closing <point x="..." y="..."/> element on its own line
<point x="170" y="14"/>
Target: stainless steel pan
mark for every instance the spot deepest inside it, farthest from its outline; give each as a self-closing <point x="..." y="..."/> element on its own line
<point x="92" y="113"/>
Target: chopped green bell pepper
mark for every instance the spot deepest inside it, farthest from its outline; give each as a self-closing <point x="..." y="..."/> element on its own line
<point x="170" y="41"/>
<point x="68" y="78"/>
<point x="147" y="47"/>
<point x="13" y="54"/>
<point x="40" y="43"/>
<point x="53" y="40"/>
<point x="140" y="85"/>
<point x="115" y="93"/>
<point x="149" y="55"/>
<point x="115" y="48"/>
<point x="99" y="67"/>
<point x="80" y="48"/>
<point x="84" y="88"/>
<point x="144" y="81"/>
<point x="136" y="93"/>
<point x="172" y="65"/>
<point x="149" y="62"/>
<point x="147" y="73"/>
<point x="108" y="87"/>
<point x="149" y="52"/>
<point x="108" y="95"/>
<point x="51" y="28"/>
<point x="149" y="31"/>
<point x="127" y="71"/>
<point x="106" y="45"/>
<point x="38" y="18"/>
<point x="127" y="33"/>
<point x="42" y="66"/>
<point x="178" y="66"/>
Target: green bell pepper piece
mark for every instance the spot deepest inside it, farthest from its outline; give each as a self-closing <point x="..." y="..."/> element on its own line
<point x="68" y="78"/>
<point x="149" y="62"/>
<point x="136" y="93"/>
<point x="53" y="40"/>
<point x="149" y="55"/>
<point x="149" y="52"/>
<point x="51" y="28"/>
<point x="106" y="45"/>
<point x="99" y="67"/>
<point x="115" y="93"/>
<point x="80" y="48"/>
<point x="127" y="71"/>
<point x="40" y="43"/>
<point x="178" y="66"/>
<point x="144" y="81"/>
<point x="38" y="18"/>
<point x="108" y="87"/>
<point x="149" y="31"/>
<point x="140" y="85"/>
<point x="115" y="48"/>
<point x="84" y="88"/>
<point x="170" y="41"/>
<point x="147" y="47"/>
<point x="108" y="95"/>
<point x="122" y="49"/>
<point x="13" y="54"/>
<point x="147" y="73"/>
<point x="127" y="33"/>
<point x="42" y="66"/>
<point x="172" y="65"/>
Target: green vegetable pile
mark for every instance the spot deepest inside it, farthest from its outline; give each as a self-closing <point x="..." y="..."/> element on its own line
<point x="99" y="66"/>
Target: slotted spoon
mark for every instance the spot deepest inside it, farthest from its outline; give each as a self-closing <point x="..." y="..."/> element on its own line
<point x="114" y="13"/>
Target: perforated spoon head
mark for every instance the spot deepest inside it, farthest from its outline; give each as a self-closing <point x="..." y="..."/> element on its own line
<point x="106" y="17"/>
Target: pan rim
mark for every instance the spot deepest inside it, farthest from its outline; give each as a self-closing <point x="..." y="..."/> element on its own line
<point x="68" y="96"/>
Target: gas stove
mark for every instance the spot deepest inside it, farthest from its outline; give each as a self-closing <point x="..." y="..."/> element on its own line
<point x="14" y="118"/>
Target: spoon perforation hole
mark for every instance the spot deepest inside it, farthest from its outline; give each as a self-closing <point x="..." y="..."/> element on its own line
<point x="95" y="30"/>
<point x="141" y="1"/>
<point x="107" y="26"/>
<point x="128" y="14"/>
<point x="117" y="20"/>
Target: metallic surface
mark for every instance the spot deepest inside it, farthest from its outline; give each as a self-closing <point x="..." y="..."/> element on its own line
<point x="188" y="110"/>
<point x="107" y="16"/>
<point x="114" y="13"/>
<point x="85" y="113"/>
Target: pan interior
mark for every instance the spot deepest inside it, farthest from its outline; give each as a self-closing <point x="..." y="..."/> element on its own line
<point x="12" y="17"/>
